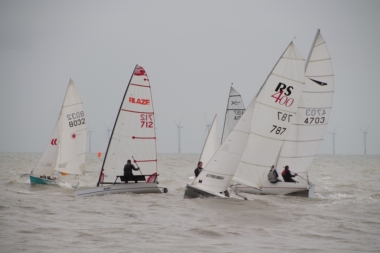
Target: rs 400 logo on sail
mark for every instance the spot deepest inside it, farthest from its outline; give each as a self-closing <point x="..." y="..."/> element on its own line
<point x="282" y="97"/>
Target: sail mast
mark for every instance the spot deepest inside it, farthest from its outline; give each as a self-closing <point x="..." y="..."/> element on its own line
<point x="117" y="117"/>
<point x="225" y="117"/>
<point x="312" y="47"/>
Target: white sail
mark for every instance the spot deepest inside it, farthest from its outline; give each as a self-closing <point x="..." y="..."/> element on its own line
<point x="217" y="175"/>
<point x="211" y="144"/>
<point x="66" y="150"/>
<point x="274" y="111"/>
<point x="72" y="134"/>
<point x="133" y="137"/>
<point x="235" y="109"/>
<point x="313" y="112"/>
<point x="46" y="164"/>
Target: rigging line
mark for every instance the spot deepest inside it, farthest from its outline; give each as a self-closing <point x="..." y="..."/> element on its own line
<point x="137" y="165"/>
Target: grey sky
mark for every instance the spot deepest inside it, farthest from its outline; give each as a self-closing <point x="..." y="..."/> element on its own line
<point x="191" y="50"/>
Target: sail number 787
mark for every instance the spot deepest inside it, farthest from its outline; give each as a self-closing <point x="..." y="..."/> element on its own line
<point x="283" y="116"/>
<point x="278" y="130"/>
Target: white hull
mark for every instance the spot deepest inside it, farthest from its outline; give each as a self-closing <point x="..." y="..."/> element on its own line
<point x="280" y="188"/>
<point x="120" y="188"/>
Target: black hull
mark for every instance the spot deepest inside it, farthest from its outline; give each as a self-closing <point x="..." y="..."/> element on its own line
<point x="191" y="192"/>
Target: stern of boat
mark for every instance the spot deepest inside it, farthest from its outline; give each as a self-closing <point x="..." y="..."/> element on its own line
<point x="38" y="180"/>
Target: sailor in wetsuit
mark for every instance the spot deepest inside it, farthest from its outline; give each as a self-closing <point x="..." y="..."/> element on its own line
<point x="128" y="168"/>
<point x="198" y="169"/>
<point x="287" y="175"/>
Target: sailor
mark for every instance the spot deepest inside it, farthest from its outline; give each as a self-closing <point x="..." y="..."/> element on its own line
<point x="198" y="169"/>
<point x="128" y="169"/>
<point x="287" y="175"/>
<point x="273" y="175"/>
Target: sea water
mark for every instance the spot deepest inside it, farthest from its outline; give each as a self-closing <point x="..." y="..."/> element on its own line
<point x="343" y="217"/>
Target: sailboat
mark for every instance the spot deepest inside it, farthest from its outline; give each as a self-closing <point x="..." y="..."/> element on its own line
<point x="66" y="149"/>
<point x="262" y="122"/>
<point x="133" y="138"/>
<point x="235" y="109"/>
<point x="306" y="131"/>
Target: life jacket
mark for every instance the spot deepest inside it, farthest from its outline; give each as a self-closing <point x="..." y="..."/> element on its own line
<point x="271" y="177"/>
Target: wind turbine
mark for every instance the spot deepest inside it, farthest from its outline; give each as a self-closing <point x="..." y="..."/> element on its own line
<point x="333" y="134"/>
<point x="365" y="139"/>
<point x="179" y="135"/>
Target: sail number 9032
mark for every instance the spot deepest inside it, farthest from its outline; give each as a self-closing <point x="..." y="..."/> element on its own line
<point x="76" y="119"/>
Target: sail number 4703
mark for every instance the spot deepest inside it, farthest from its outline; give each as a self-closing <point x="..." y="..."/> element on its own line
<point x="317" y="116"/>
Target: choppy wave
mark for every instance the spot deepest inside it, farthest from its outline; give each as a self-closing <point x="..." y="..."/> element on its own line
<point x="343" y="216"/>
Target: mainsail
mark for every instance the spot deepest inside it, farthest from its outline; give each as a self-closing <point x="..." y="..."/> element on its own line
<point x="274" y="111"/>
<point x="66" y="150"/>
<point x="235" y="109"/>
<point x="308" y="128"/>
<point x="134" y="135"/>
<point x="261" y="129"/>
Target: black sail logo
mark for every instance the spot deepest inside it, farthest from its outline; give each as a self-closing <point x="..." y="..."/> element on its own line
<point x="319" y="82"/>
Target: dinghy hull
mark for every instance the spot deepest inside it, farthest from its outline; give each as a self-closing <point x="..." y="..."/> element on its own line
<point x="120" y="188"/>
<point x="38" y="180"/>
<point x="279" y="188"/>
<point x="193" y="192"/>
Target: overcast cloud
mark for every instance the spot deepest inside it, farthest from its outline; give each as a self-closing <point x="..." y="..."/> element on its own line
<point x="192" y="52"/>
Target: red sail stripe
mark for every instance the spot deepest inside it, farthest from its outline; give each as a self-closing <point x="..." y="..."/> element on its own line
<point x="144" y="161"/>
<point x="134" y="137"/>
<point x="137" y="111"/>
<point x="146" y="86"/>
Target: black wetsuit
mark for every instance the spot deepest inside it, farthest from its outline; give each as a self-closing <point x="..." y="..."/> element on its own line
<point x="128" y="169"/>
<point x="287" y="175"/>
<point x="197" y="171"/>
